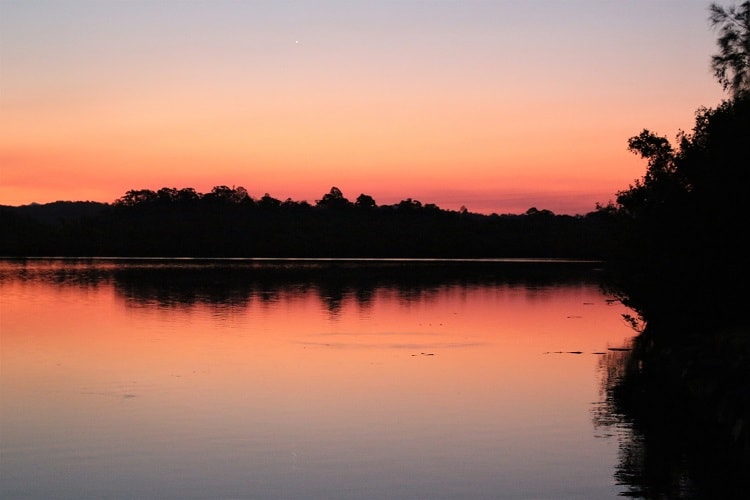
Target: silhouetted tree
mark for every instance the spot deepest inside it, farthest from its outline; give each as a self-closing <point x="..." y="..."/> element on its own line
<point x="137" y="197"/>
<point x="685" y="219"/>
<point x="409" y="205"/>
<point x="187" y="195"/>
<point x="732" y="64"/>
<point x="227" y="195"/>
<point x="535" y="212"/>
<point x="682" y="224"/>
<point x="167" y="195"/>
<point x="269" y="202"/>
<point x="240" y="195"/>
<point x="365" y="201"/>
<point x="660" y="183"/>
<point x="334" y="199"/>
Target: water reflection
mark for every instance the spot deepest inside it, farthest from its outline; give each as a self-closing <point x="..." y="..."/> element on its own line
<point x="668" y="447"/>
<point x="187" y="282"/>
<point x="303" y="380"/>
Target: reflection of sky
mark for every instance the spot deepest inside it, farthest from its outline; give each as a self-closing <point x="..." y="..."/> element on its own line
<point x="445" y="395"/>
<point x="497" y="106"/>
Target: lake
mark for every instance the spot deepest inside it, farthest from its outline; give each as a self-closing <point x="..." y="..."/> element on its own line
<point x="308" y="379"/>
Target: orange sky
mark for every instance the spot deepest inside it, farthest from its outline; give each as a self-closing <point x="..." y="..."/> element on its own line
<point x="497" y="106"/>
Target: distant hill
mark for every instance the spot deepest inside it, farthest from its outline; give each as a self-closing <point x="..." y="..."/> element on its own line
<point x="56" y="212"/>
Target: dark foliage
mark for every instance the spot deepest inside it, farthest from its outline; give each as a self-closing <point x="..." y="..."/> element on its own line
<point x="227" y="222"/>
<point x="682" y="250"/>
<point x="732" y="64"/>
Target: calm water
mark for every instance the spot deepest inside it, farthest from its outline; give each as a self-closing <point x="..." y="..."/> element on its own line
<point x="262" y="379"/>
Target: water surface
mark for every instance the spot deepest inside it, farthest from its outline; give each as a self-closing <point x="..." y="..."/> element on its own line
<point x="305" y="379"/>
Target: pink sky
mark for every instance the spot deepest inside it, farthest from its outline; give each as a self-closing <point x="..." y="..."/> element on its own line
<point x="496" y="106"/>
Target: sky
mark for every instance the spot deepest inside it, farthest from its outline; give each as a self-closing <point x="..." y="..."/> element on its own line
<point x="496" y="106"/>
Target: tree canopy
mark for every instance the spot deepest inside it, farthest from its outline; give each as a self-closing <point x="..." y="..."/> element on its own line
<point x="732" y="64"/>
<point x="682" y="225"/>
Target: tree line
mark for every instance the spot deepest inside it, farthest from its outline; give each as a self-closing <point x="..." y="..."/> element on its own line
<point x="228" y="222"/>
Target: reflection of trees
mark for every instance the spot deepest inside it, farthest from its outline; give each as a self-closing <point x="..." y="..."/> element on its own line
<point x="334" y="282"/>
<point x="61" y="272"/>
<point x="185" y="283"/>
<point x="680" y="436"/>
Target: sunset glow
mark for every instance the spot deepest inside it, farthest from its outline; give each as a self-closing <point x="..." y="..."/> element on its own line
<point x="203" y="379"/>
<point x="467" y="338"/>
<point x="496" y="106"/>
